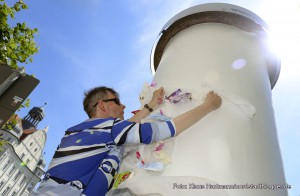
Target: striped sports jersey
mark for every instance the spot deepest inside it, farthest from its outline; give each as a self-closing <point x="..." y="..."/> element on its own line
<point x="90" y="153"/>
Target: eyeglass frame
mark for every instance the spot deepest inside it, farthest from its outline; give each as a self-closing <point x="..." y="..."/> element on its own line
<point x="116" y="100"/>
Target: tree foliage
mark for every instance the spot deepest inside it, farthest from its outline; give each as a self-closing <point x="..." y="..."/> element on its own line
<point x="17" y="44"/>
<point x="2" y="143"/>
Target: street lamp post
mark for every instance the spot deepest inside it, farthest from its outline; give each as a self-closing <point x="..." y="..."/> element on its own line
<point x="15" y="86"/>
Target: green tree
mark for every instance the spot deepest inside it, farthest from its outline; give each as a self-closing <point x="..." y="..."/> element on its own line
<point x="17" y="43"/>
<point x="2" y="143"/>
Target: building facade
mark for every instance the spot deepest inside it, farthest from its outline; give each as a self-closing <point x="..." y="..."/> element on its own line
<point x="21" y="158"/>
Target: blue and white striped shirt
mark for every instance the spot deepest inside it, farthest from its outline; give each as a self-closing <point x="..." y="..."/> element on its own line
<point x="90" y="153"/>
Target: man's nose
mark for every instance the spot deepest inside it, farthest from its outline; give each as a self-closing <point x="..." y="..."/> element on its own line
<point x="123" y="106"/>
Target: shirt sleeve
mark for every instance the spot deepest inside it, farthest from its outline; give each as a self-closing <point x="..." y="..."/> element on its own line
<point x="125" y="132"/>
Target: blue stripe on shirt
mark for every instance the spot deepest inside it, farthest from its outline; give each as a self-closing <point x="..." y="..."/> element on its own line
<point x="119" y="128"/>
<point x="85" y="138"/>
<point x="171" y="127"/>
<point x="81" y="169"/>
<point x="88" y="124"/>
<point x="146" y="133"/>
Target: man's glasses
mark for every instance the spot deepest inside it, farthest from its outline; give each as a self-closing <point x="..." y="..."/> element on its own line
<point x="116" y="100"/>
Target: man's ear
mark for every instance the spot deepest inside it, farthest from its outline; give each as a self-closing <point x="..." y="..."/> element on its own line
<point x="102" y="106"/>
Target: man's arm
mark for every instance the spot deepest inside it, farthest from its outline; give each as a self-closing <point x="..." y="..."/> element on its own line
<point x="189" y="118"/>
<point x="150" y="132"/>
<point x="157" y="98"/>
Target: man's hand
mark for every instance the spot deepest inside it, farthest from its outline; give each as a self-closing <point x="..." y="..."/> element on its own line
<point x="187" y="119"/>
<point x="157" y="98"/>
<point x="212" y="100"/>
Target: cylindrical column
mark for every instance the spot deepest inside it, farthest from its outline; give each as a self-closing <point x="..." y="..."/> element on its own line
<point x="225" y="51"/>
<point x="233" y="150"/>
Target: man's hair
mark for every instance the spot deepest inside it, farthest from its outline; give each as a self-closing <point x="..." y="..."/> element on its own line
<point x="93" y="95"/>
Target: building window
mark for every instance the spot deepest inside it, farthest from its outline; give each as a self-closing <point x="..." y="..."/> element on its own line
<point x="16" y="129"/>
<point x="22" y="155"/>
<point x="5" y="191"/>
<point x="31" y="144"/>
<point x="11" y="170"/>
<point x="22" y="181"/>
<point x="14" y="193"/>
<point x="30" y="187"/>
<point x="17" y="176"/>
<point x="1" y="183"/>
<point x="6" y="165"/>
<point x="2" y="156"/>
<point x="35" y="150"/>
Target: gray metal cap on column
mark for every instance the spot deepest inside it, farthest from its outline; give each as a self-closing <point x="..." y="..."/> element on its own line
<point x="215" y="13"/>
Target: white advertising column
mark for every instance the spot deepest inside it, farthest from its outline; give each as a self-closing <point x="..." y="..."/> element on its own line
<point x="224" y="50"/>
<point x="234" y="150"/>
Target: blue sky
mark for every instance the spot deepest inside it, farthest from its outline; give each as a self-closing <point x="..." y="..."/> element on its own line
<point x="87" y="43"/>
